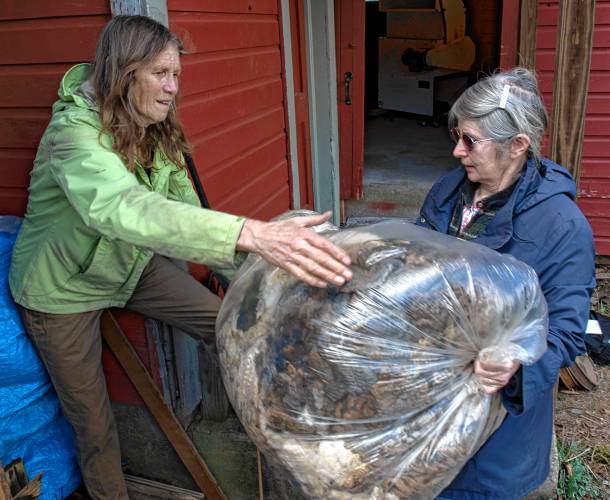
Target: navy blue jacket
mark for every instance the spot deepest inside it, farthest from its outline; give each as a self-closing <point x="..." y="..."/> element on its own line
<point x="541" y="226"/>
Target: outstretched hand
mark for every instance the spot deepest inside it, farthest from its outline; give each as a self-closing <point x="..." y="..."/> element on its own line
<point x="494" y="376"/>
<point x="291" y="245"/>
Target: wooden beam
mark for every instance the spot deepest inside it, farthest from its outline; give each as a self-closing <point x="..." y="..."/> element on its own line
<point x="157" y="9"/>
<point x="574" y="44"/>
<point x="139" y="487"/>
<point x="144" y="384"/>
<point x="526" y="54"/>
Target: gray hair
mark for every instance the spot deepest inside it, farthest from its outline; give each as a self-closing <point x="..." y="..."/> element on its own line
<point x="501" y="112"/>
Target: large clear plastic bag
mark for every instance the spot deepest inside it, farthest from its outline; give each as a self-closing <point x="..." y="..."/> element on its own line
<point x="367" y="390"/>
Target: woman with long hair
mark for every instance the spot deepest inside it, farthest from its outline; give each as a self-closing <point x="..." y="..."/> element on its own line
<point x="109" y="203"/>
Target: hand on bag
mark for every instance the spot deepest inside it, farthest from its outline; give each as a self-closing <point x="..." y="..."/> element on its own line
<point x="494" y="376"/>
<point x="289" y="244"/>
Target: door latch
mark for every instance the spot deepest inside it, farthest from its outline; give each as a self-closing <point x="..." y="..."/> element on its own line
<point x="347" y="80"/>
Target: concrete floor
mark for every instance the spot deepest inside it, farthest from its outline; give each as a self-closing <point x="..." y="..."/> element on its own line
<point x="402" y="159"/>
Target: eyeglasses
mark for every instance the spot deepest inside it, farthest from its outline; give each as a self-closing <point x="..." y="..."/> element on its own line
<point x="469" y="141"/>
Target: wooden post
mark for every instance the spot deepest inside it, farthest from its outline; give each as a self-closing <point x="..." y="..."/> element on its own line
<point x="574" y="44"/>
<point x="526" y="53"/>
<point x="169" y="424"/>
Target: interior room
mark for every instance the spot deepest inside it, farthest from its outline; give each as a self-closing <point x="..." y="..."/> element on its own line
<point x="419" y="56"/>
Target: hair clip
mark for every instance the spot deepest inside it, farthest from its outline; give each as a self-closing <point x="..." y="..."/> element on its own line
<point x="504" y="98"/>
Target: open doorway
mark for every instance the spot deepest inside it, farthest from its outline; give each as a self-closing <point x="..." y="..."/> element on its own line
<point x="409" y="86"/>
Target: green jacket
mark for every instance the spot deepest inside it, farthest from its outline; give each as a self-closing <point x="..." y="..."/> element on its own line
<point x="92" y="226"/>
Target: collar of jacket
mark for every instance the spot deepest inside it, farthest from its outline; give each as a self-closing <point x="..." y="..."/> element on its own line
<point x="445" y="194"/>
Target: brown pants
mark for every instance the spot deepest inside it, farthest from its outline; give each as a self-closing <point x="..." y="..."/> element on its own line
<point x="70" y="346"/>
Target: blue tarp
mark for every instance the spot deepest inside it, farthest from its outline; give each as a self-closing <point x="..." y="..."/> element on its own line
<point x="31" y="425"/>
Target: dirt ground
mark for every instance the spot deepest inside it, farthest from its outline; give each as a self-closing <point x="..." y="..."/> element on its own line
<point x="583" y="417"/>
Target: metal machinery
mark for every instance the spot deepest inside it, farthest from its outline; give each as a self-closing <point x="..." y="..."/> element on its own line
<point x="425" y="58"/>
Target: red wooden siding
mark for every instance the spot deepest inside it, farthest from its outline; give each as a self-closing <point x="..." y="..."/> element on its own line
<point x="40" y="41"/>
<point x="232" y="102"/>
<point x="594" y="185"/>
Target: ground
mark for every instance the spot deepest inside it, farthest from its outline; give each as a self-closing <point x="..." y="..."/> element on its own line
<point x="583" y="417"/>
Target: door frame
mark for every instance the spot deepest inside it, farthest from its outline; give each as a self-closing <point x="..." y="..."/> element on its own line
<point x="323" y="112"/>
<point x="322" y="95"/>
<point x="291" y="124"/>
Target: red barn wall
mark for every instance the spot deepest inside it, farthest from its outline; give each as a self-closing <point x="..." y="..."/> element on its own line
<point x="594" y="185"/>
<point x="232" y="102"/>
<point x="40" y="40"/>
<point x="232" y="108"/>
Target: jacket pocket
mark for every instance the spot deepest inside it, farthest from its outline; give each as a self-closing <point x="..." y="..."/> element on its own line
<point x="92" y="262"/>
<point x="96" y="266"/>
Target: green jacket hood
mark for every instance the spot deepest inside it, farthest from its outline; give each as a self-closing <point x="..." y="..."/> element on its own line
<point x="75" y="87"/>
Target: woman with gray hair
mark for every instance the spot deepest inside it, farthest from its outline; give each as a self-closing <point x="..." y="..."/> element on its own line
<point x="507" y="197"/>
<point x="109" y="201"/>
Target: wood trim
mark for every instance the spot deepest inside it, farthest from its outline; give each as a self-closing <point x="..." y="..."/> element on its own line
<point x="572" y="64"/>
<point x="169" y="424"/>
<point x="154" y="489"/>
<point x="156" y="9"/>
<point x="526" y="54"/>
<point x="289" y="107"/>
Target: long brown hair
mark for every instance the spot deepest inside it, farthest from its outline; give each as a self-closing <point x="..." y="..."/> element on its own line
<point x="126" y="44"/>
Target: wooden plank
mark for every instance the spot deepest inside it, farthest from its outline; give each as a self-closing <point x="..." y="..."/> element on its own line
<point x="273" y="205"/>
<point x="349" y="35"/>
<point x="594" y="188"/>
<point x="13" y="201"/>
<point x="237" y="137"/>
<point x="232" y="6"/>
<point x="22" y="128"/>
<point x="228" y="104"/>
<point x="602" y="13"/>
<point x="15" y="167"/>
<point x="122" y="349"/>
<point x="595" y="146"/>
<point x="56" y="39"/>
<point x="527" y="34"/>
<point x="548" y="13"/>
<point x="32" y="9"/>
<point x="545" y="60"/>
<point x="599" y="82"/>
<point x="600" y="59"/>
<point x="574" y="43"/>
<point x="204" y="72"/>
<point x="249" y="165"/>
<point x="597" y="125"/>
<point x="30" y="86"/>
<point x="210" y="32"/>
<point x="598" y="104"/>
<point x="546" y="37"/>
<point x="509" y="34"/>
<point x="595" y="167"/>
<point x="254" y="192"/>
<point x="140" y="486"/>
<point x="601" y="34"/>
<point x="596" y="209"/>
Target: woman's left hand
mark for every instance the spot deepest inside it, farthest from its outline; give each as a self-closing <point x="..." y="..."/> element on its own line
<point x="494" y="376"/>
